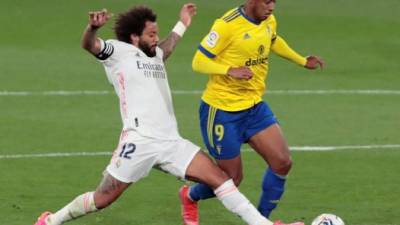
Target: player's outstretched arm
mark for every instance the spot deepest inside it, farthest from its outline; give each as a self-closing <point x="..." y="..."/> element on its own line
<point x="89" y="41"/>
<point x="186" y="14"/>
<point x="281" y="48"/>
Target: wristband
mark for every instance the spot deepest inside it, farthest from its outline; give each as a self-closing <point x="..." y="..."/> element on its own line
<point x="179" y="28"/>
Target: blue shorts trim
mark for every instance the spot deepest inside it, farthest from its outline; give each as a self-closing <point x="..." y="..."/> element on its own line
<point x="224" y="132"/>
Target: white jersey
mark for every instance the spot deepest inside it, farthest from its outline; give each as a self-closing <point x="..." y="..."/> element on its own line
<point x="141" y="84"/>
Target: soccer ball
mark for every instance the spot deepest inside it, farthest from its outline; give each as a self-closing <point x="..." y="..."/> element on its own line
<point x="327" y="219"/>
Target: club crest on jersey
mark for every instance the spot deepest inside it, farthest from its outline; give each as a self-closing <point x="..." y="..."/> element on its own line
<point x="246" y="36"/>
<point x="212" y="39"/>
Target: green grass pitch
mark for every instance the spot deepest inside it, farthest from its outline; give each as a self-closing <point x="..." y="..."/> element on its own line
<point x="359" y="40"/>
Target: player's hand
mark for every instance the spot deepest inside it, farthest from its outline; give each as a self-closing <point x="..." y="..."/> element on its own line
<point x="313" y="62"/>
<point x="187" y="12"/>
<point x="240" y="73"/>
<point x="98" y="18"/>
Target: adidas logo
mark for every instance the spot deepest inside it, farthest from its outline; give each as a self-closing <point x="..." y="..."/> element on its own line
<point x="246" y="36"/>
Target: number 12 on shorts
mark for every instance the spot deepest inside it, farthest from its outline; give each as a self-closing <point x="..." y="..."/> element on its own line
<point x="127" y="150"/>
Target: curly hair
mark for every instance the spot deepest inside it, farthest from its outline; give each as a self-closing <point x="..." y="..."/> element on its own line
<point x="133" y="22"/>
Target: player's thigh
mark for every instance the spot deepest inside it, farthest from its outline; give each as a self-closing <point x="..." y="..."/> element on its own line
<point x="202" y="169"/>
<point x="271" y="145"/>
<point x="264" y="134"/>
<point x="176" y="156"/>
<point x="184" y="159"/>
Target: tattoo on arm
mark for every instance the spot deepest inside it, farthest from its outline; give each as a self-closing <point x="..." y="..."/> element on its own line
<point x="168" y="44"/>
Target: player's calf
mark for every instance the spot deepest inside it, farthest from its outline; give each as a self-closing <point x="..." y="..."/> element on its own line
<point x="108" y="191"/>
<point x="273" y="186"/>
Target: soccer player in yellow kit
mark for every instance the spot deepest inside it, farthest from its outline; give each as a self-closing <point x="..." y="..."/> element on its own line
<point x="235" y="56"/>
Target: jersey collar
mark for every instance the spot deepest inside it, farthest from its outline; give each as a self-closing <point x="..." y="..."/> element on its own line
<point x="251" y="20"/>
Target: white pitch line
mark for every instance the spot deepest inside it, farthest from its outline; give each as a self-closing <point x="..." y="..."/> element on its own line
<point x="246" y="149"/>
<point x="334" y="148"/>
<point x="332" y="92"/>
<point x="54" y="155"/>
<point x="53" y="93"/>
<point x="348" y="147"/>
<point x="198" y="92"/>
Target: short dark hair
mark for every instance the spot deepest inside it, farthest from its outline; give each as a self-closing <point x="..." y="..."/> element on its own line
<point x="133" y="21"/>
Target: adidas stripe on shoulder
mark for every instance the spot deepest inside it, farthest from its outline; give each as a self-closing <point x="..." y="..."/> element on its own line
<point x="235" y="14"/>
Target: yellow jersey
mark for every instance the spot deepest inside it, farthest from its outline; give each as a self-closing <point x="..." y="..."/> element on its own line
<point x="237" y="40"/>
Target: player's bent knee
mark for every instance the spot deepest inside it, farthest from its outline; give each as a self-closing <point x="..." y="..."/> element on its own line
<point x="283" y="166"/>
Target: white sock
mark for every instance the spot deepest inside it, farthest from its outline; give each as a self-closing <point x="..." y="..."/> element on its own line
<point x="237" y="203"/>
<point x="81" y="205"/>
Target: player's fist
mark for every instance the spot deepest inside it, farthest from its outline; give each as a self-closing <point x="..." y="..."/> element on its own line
<point x="313" y="62"/>
<point x="241" y="73"/>
<point x="187" y="12"/>
<point x="98" y="18"/>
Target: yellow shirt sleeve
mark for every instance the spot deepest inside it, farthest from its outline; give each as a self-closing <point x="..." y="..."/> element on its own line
<point x="202" y="64"/>
<point x="215" y="42"/>
<point x="281" y="48"/>
<point x="217" y="39"/>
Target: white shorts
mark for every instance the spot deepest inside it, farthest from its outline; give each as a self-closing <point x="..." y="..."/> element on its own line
<point x="134" y="158"/>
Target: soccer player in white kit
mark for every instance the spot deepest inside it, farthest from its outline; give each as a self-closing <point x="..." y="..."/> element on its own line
<point x="134" y="65"/>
